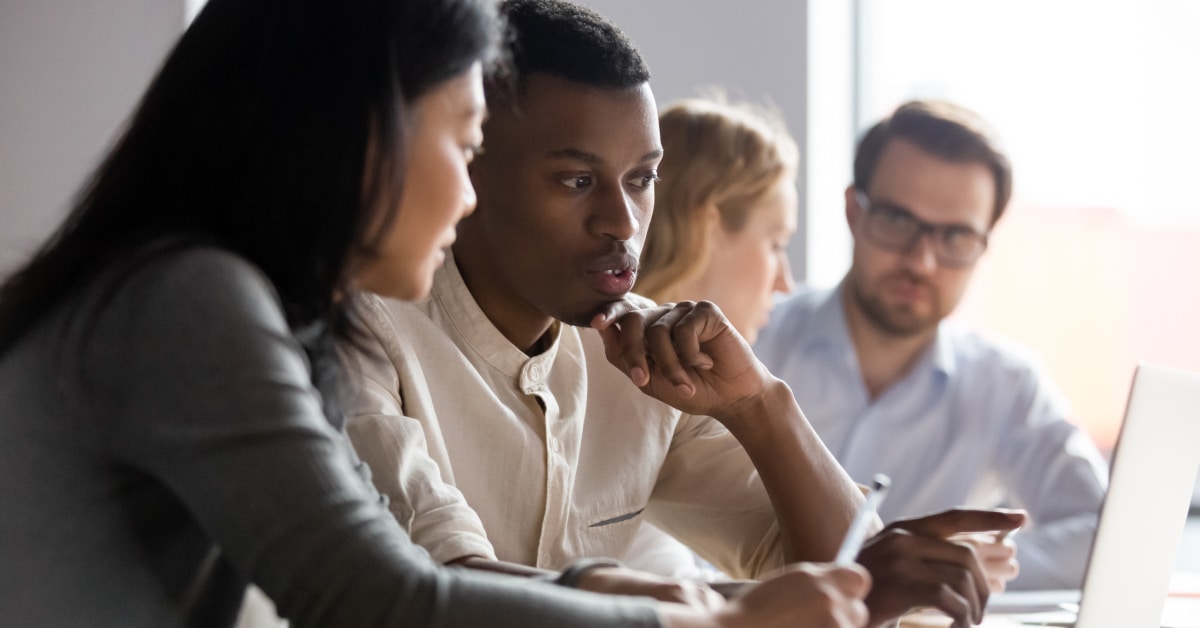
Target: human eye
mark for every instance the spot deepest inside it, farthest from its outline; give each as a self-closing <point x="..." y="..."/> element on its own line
<point x="896" y="220"/>
<point x="960" y="239"/>
<point x="576" y="182"/>
<point x="647" y="180"/>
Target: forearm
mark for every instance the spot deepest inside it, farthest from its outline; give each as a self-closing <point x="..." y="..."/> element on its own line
<point x="813" y="497"/>
<point x="499" y="566"/>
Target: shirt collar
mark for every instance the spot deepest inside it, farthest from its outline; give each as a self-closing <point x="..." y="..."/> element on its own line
<point x="942" y="356"/>
<point x="458" y="305"/>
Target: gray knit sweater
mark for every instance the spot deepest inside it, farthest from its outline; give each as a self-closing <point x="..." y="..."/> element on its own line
<point x="153" y="465"/>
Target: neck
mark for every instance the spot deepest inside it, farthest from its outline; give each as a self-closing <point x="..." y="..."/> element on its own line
<point x="522" y="324"/>
<point x="884" y="358"/>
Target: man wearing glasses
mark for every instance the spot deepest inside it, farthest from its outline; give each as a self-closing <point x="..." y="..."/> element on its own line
<point x="891" y="387"/>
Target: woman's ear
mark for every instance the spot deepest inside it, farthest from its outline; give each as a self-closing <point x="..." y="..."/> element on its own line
<point x="713" y="229"/>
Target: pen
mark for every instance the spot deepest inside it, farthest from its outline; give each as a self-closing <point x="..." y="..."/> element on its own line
<point x="858" y="527"/>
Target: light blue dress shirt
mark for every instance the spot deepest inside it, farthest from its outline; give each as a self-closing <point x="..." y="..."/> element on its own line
<point x="975" y="423"/>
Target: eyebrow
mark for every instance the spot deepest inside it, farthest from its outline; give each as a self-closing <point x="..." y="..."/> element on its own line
<point x="592" y="158"/>
<point x="914" y="216"/>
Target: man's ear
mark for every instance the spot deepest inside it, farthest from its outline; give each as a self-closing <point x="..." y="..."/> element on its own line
<point x="853" y="211"/>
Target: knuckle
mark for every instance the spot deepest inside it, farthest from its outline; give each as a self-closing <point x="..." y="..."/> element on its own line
<point x="633" y="355"/>
<point x="928" y="592"/>
<point x="965" y="553"/>
<point x="675" y="591"/>
<point x="960" y="580"/>
<point x="950" y="601"/>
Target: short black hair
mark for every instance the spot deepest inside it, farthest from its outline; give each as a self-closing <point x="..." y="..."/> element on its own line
<point x="571" y="42"/>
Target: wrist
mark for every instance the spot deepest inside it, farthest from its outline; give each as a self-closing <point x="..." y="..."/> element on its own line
<point x="759" y="415"/>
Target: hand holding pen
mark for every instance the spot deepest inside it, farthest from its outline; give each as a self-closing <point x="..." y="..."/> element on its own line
<point x="857" y="533"/>
<point x="917" y="562"/>
<point x="997" y="553"/>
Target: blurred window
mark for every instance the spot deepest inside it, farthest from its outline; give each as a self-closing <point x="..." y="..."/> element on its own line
<point x="1096" y="263"/>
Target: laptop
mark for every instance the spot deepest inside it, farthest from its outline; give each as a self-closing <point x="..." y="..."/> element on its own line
<point x="1154" y="466"/>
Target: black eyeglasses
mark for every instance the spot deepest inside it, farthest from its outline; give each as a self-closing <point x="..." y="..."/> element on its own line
<point x="897" y="230"/>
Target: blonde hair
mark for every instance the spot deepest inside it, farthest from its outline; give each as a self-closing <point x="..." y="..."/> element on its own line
<point x="715" y="154"/>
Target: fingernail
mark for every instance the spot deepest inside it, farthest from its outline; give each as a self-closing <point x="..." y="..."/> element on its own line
<point x="638" y="375"/>
<point x="684" y="389"/>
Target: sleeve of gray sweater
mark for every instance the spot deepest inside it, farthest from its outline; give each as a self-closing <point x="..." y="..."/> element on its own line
<point x="202" y="386"/>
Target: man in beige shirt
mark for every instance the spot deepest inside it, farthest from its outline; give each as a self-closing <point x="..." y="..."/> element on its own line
<point x="496" y="422"/>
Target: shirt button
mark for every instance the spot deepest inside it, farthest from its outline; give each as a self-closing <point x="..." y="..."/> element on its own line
<point x="545" y="558"/>
<point x="554" y="444"/>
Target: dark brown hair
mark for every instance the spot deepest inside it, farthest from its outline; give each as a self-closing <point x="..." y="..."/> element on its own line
<point x="942" y="129"/>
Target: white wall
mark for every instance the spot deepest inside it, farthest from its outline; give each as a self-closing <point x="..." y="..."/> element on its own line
<point x="70" y="71"/>
<point x="754" y="50"/>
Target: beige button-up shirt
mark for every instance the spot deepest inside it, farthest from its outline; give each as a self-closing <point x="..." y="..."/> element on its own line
<point x="483" y="450"/>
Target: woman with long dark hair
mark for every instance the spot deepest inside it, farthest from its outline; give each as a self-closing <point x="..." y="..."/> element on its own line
<point x="168" y="374"/>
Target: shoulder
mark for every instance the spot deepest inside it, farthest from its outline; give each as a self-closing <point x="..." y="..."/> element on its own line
<point x="990" y="359"/>
<point x="991" y="351"/>
<point x="384" y="318"/>
<point x="792" y="315"/>
<point x="186" y="324"/>
<point x="397" y="336"/>
<point x="197" y="286"/>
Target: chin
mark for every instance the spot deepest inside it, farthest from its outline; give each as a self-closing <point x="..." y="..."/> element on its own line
<point x="581" y="315"/>
<point x="410" y="289"/>
<point x="578" y="319"/>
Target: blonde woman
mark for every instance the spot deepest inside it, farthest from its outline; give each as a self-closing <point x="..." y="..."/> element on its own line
<point x="724" y="210"/>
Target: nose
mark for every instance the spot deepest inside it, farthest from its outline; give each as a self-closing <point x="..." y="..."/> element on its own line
<point x="921" y="256"/>
<point x="469" y="198"/>
<point x="617" y="216"/>
<point x="784" y="282"/>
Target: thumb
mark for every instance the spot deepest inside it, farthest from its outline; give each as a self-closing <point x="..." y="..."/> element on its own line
<point x="852" y="580"/>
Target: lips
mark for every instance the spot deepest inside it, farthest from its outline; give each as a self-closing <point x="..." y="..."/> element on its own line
<point x="613" y="275"/>
<point x="908" y="288"/>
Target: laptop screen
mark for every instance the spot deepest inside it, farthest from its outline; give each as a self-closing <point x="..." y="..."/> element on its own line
<point x="1153" y="468"/>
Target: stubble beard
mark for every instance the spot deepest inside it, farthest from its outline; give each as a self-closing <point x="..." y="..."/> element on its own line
<point x="900" y="321"/>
